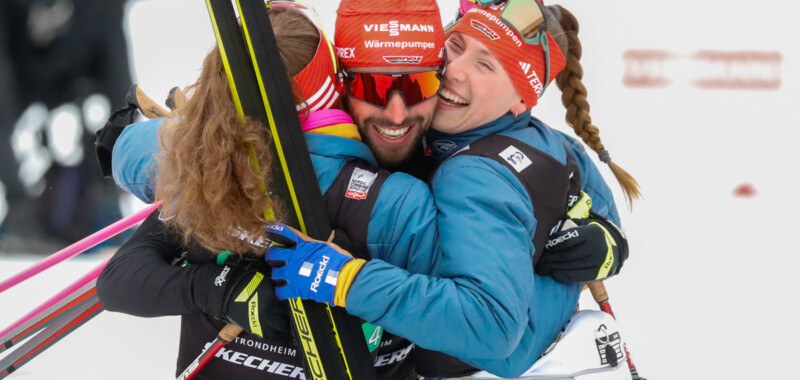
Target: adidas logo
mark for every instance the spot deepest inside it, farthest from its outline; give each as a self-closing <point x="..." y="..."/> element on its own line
<point x="525" y="67"/>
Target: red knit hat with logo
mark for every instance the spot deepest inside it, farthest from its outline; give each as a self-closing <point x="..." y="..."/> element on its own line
<point x="389" y="33"/>
<point x="524" y="63"/>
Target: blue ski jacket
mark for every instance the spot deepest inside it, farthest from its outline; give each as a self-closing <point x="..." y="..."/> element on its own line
<point x="482" y="302"/>
<point x="454" y="276"/>
<point x="402" y="223"/>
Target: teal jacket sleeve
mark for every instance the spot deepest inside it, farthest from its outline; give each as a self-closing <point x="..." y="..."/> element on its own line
<point x="403" y="225"/>
<point x="475" y="303"/>
<point x="133" y="159"/>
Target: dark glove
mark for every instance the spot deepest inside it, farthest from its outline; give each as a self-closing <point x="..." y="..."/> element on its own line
<point x="106" y="137"/>
<point x="246" y="297"/>
<point x="585" y="250"/>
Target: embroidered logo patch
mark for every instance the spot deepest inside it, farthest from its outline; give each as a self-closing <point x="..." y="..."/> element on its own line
<point x="444" y="145"/>
<point x="485" y="29"/>
<point x="360" y="182"/>
<point x="516" y="158"/>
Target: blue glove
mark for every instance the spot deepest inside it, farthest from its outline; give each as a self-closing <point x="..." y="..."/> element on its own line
<point x="309" y="269"/>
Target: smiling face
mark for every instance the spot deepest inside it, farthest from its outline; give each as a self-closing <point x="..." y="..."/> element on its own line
<point x="394" y="131"/>
<point x="476" y="88"/>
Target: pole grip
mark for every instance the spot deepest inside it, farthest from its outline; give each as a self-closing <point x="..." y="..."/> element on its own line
<point x="229" y="332"/>
<point x="598" y="291"/>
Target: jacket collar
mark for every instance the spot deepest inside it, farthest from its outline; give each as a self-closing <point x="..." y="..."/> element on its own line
<point x="443" y="145"/>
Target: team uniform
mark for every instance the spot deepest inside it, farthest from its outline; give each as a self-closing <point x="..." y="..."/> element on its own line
<point x="483" y="302"/>
<point x="403" y="233"/>
<point x="399" y="209"/>
<point x="452" y="266"/>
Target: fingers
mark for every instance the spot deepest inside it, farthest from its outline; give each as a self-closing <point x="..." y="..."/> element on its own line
<point x="276" y="263"/>
<point x="281" y="235"/>
<point x="176" y="99"/>
<point x="285" y="236"/>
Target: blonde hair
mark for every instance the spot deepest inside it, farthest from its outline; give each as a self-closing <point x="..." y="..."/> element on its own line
<point x="573" y="94"/>
<point x="210" y="187"/>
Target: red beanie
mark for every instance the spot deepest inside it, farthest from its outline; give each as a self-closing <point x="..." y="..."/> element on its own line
<point x="523" y="62"/>
<point x="388" y="33"/>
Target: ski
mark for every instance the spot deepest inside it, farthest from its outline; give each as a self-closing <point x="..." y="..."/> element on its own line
<point x="332" y="341"/>
<point x="62" y="326"/>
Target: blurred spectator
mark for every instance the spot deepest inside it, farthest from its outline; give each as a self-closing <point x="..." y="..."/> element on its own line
<point x="63" y="68"/>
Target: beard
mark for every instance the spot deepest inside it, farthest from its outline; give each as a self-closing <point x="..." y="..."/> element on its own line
<point x="389" y="156"/>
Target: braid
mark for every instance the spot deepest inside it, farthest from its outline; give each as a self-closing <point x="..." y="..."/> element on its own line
<point x="573" y="96"/>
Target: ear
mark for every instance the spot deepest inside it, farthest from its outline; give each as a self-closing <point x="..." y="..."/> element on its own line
<point x="518" y="108"/>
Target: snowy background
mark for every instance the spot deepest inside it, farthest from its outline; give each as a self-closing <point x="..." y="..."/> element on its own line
<point x="694" y="100"/>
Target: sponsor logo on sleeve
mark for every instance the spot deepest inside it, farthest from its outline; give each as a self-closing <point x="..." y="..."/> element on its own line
<point x="223" y="276"/>
<point x="360" y="182"/>
<point x="516" y="158"/>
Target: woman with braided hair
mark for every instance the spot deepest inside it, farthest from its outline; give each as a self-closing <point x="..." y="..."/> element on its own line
<point x="457" y="276"/>
<point x="504" y="183"/>
<point x="573" y="94"/>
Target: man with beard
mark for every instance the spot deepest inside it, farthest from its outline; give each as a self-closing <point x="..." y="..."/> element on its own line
<point x="394" y="53"/>
<point x="391" y="57"/>
<point x="391" y="76"/>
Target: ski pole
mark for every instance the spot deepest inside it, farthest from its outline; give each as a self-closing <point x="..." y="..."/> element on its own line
<point x="79" y="247"/>
<point x="38" y="316"/>
<point x="54" y="332"/>
<point x="601" y="297"/>
<point x="225" y="336"/>
<point x="46" y="318"/>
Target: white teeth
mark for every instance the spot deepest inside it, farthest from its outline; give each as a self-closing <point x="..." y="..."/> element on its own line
<point x="452" y="97"/>
<point x="393" y="133"/>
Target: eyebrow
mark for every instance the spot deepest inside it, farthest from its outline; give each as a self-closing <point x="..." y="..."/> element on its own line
<point x="486" y="53"/>
<point x="482" y="51"/>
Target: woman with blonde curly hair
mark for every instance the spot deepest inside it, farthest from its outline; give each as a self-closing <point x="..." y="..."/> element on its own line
<point x="213" y="214"/>
<point x="429" y="274"/>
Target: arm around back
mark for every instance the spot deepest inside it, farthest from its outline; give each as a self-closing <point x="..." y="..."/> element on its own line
<point x="141" y="280"/>
<point x="483" y="285"/>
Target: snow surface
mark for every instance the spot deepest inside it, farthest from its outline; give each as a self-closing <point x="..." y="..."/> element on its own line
<point x="707" y="290"/>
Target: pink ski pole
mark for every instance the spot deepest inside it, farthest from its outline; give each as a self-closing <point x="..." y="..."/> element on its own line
<point x="80" y="247"/>
<point x="85" y="279"/>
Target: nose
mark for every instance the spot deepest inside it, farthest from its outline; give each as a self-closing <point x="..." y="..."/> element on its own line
<point x="396" y="109"/>
<point x="455" y="69"/>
